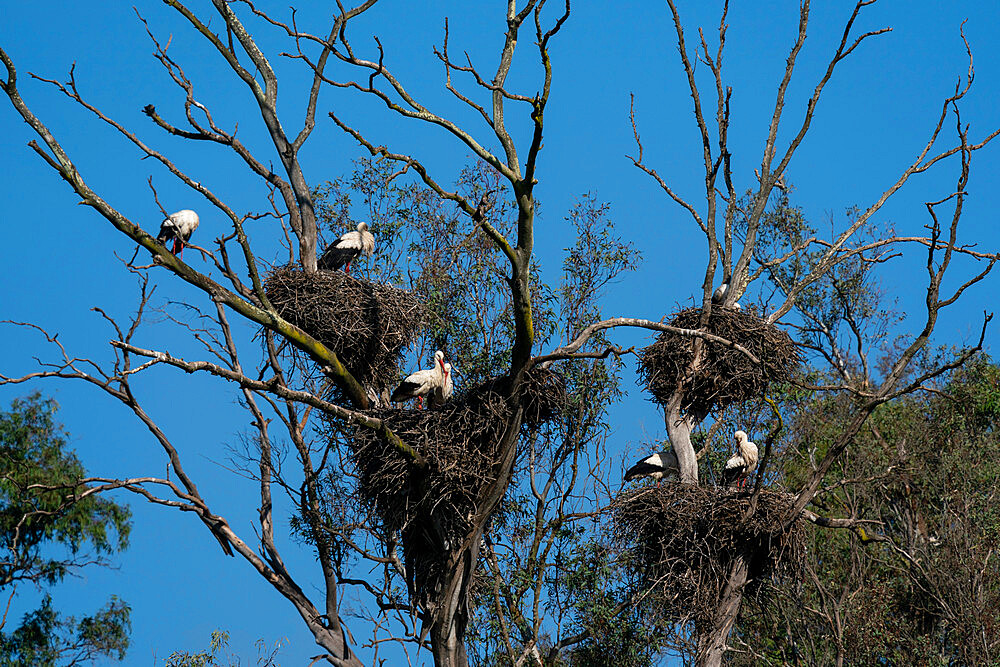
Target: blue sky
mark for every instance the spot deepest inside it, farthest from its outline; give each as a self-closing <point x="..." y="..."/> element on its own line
<point x="59" y="259"/>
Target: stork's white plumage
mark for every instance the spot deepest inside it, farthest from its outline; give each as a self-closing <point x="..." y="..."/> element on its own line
<point x="178" y="226"/>
<point x="421" y="383"/>
<point x="656" y="466"/>
<point x="742" y="464"/>
<point x="720" y="294"/>
<point x="345" y="249"/>
<point x="442" y="392"/>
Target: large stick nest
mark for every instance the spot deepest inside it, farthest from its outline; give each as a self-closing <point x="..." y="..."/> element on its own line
<point x="366" y="325"/>
<point x="433" y="507"/>
<point x="682" y="540"/>
<point x="725" y="375"/>
<point x="543" y="394"/>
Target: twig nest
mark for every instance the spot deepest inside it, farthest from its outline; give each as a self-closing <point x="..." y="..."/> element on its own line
<point x="681" y="540"/>
<point x="726" y="375"/>
<point x="542" y="394"/>
<point x="543" y="397"/>
<point x="433" y="507"/>
<point x="366" y="325"/>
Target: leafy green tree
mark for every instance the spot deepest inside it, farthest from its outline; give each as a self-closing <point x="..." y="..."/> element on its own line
<point x="52" y="526"/>
<point x="916" y="581"/>
<point x="218" y="654"/>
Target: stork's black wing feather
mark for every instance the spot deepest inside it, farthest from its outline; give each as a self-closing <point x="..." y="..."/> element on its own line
<point x="336" y="256"/>
<point x="167" y="232"/>
<point x="641" y="469"/>
<point x="404" y="391"/>
<point x="730" y="475"/>
<point x="217" y="533"/>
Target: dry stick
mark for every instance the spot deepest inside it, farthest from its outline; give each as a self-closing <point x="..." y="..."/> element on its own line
<point x="264" y="512"/>
<point x="72" y="92"/>
<point x="921" y="164"/>
<point x="711" y="174"/>
<point x="301" y="213"/>
<point x="192" y="501"/>
<point x="568" y="351"/>
<point x="276" y="387"/>
<point x="65" y="167"/>
<point x="845" y="253"/>
<point x="767" y="178"/>
<point x="511" y="169"/>
<point x="768" y="442"/>
<point x="123" y="393"/>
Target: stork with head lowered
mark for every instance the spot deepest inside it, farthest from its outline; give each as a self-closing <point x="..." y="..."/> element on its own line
<point x="178" y="227"/>
<point x="742" y="464"/>
<point x="655" y="466"/>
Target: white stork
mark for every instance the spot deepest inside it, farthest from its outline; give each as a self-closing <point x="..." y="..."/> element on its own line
<point x="720" y="294"/>
<point x="421" y="383"/>
<point x="178" y="226"/>
<point x="656" y="466"/>
<point x="742" y="464"/>
<point x="442" y="392"/>
<point x="345" y="249"/>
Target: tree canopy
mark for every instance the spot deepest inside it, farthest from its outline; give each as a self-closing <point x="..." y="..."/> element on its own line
<point x="52" y="526"/>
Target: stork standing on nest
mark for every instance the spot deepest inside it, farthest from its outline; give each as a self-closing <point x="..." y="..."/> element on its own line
<point x="720" y="295"/>
<point x="421" y="383"/>
<point x="656" y="466"/>
<point x="178" y="226"/>
<point x="346" y="249"/>
<point x="442" y="392"/>
<point x="742" y="464"/>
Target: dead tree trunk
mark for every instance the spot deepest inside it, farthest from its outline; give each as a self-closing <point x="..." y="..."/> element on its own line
<point x="449" y="609"/>
<point x="712" y="641"/>
<point x="680" y="425"/>
<point x="448" y="647"/>
<point x="679" y="431"/>
<point x="451" y="614"/>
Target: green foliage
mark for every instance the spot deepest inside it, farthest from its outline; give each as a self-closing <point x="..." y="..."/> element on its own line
<point x="218" y="654"/>
<point x="586" y="580"/>
<point x="926" y="591"/>
<point x="47" y="638"/>
<point x="39" y="483"/>
<point x="47" y="532"/>
<point x="596" y="259"/>
<point x="32" y="452"/>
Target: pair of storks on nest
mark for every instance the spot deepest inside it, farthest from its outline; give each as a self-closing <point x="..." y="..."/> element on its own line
<point x="435" y="383"/>
<point x="738" y="468"/>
